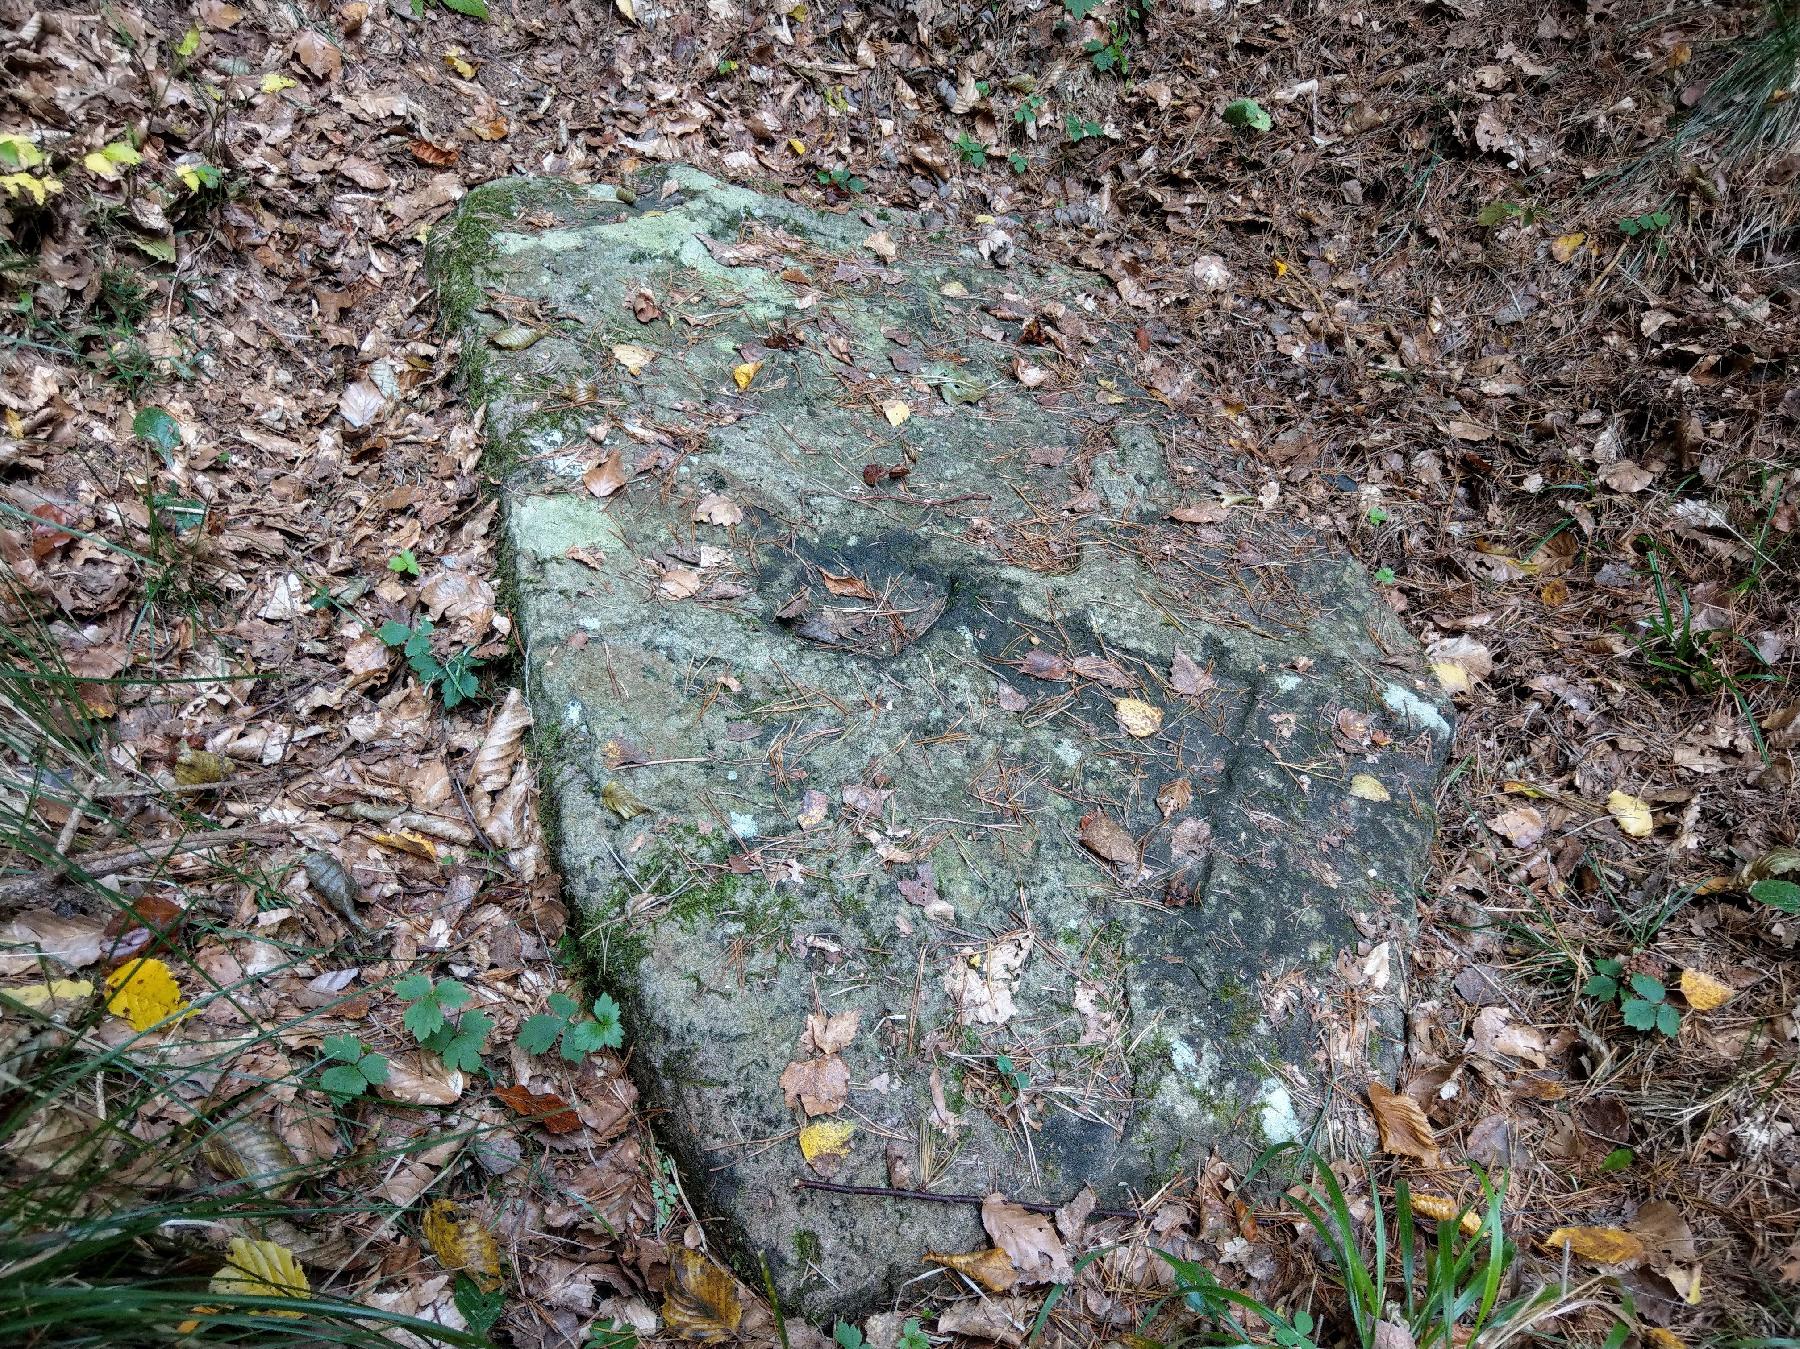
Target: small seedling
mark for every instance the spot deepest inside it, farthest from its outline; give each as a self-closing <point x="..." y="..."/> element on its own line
<point x="970" y="150"/>
<point x="1077" y="129"/>
<point x="612" y="1335"/>
<point x="1777" y="894"/>
<point x="201" y="177"/>
<point x="665" y="1192"/>
<point x="1016" y="1078"/>
<point x="353" y="1068"/>
<point x="1026" y="113"/>
<point x="475" y="9"/>
<point x="843" y="180"/>
<point x="480" y="1309"/>
<point x="1651" y="222"/>
<point x="1080" y="9"/>
<point x="1246" y="114"/>
<point x="1619" y="1159"/>
<point x="458" y="1043"/>
<point x="1499" y="212"/>
<point x="1378" y="516"/>
<point x="580" y="1035"/>
<point x="1384" y="576"/>
<point x="1018" y="161"/>
<point x="912" y="1336"/>
<point x="403" y="563"/>
<point x="1642" y="998"/>
<point x="454" y="679"/>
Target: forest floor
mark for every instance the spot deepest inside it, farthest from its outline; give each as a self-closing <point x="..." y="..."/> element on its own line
<point x="1488" y="300"/>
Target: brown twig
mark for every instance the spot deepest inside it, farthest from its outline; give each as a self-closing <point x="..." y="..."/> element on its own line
<point x="883" y="1192"/>
<point x="99" y="864"/>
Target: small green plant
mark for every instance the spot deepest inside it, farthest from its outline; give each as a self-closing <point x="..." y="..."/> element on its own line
<point x="612" y="1335"/>
<point x="1017" y="1079"/>
<point x="1384" y="576"/>
<point x="580" y="1035"/>
<point x="1026" y="111"/>
<point x="474" y="9"/>
<point x="403" y="563"/>
<point x="1113" y="52"/>
<point x="912" y="1336"/>
<point x="1377" y="516"/>
<point x="158" y="428"/>
<point x="460" y="1042"/>
<point x="843" y="180"/>
<point x="1443" y="1292"/>
<point x="454" y="679"/>
<point x="1018" y="161"/>
<point x="201" y="177"/>
<point x="846" y="1336"/>
<point x="1077" y="129"/>
<point x="1080" y="9"/>
<point x="1651" y="227"/>
<point x="970" y="150"/>
<point x="665" y="1192"/>
<point x="1777" y="894"/>
<point x="482" y="1310"/>
<point x="1642" y="998"/>
<point x="353" y="1068"/>
<point x="1497" y="213"/>
<point x="1246" y="114"/>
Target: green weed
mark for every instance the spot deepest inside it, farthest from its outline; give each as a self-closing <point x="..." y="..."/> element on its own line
<point x="1641" y="998"/>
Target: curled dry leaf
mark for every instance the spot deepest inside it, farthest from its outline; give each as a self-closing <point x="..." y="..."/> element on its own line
<point x="1459" y="663"/>
<point x="993" y="1268"/>
<point x="895" y="410"/>
<point x="1041" y="664"/>
<point x="827" y="1033"/>
<point x="701" y="1300"/>
<point x="715" y="509"/>
<point x="1442" y="1208"/>
<point x="607" y="476"/>
<point x="981" y="983"/>
<point x="545" y="1108"/>
<point x="500" y="747"/>
<point x="742" y="374"/>
<point x="633" y="357"/>
<point x="1596" y="1245"/>
<point x="1405" y="1132"/>
<point x="1187" y="677"/>
<point x="247" y="1149"/>
<point x="421" y="1079"/>
<point x="1174" y="797"/>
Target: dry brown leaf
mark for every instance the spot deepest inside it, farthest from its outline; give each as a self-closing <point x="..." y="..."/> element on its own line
<point x="1041" y="664"/>
<point x="830" y="1033"/>
<point x="1703" y="992"/>
<point x="314" y="51"/>
<point x="818" y="1086"/>
<point x="1496" y="1033"/>
<point x="1187" y="677"/>
<point x="421" y="1079"/>
<point x="607" y="476"/>
<point x="633" y="357"/>
<point x="1029" y="1240"/>
<point x="1597" y="1245"/>
<point x="500" y="747"/>
<point x="715" y="509"/>
<point x="1106" y="838"/>
<point x="1174" y="797"/>
<point x="1201" y="513"/>
<point x="701" y="1300"/>
<point x="851" y="586"/>
<point x="993" y="1268"/>
<point x="1405" y="1132"/>
<point x="1521" y="826"/>
<point x="545" y="1108"/>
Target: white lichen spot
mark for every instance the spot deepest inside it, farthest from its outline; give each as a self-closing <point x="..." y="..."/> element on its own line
<point x="744" y="826"/>
<point x="1414" y="708"/>
<point x="1275" y="1112"/>
<point x="572" y="713"/>
<point x="1287" y="683"/>
<point x="1066" y="751"/>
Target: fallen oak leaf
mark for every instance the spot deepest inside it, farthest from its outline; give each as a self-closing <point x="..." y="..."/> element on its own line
<point x="826" y="1145"/>
<point x="818" y="1086"/>
<point x="1028" y="1239"/>
<point x="1107" y="838"/>
<point x="607" y="476"/>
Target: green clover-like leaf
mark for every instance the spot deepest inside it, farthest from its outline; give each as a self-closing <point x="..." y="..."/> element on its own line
<point x="1601" y="986"/>
<point x="373" y="1067"/>
<point x="1668" y="1020"/>
<point x="343" y="1080"/>
<point x="424" y="1020"/>
<point x="1639" y="1014"/>
<point x="539" y="1032"/>
<point x="345" y="1047"/>
<point x="1648" y="988"/>
<point x="1777" y="894"/>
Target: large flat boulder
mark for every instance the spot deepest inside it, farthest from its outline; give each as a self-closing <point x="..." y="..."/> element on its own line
<point x="912" y="768"/>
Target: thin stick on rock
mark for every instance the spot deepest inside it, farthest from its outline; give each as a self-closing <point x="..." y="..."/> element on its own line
<point x="929" y="1196"/>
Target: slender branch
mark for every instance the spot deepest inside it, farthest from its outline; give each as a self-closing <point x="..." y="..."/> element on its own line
<point x="98" y="864"/>
<point x="929" y="1196"/>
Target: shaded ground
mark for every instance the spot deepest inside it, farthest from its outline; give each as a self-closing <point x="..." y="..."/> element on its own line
<point x="1381" y="302"/>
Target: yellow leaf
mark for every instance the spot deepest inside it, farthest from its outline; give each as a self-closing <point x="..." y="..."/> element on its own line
<point x="38" y="997"/>
<point x="701" y="1299"/>
<point x="1136" y="718"/>
<point x="993" y="1268"/>
<point x="1597" y="1245"/>
<point x="1281" y="269"/>
<point x="627" y="10"/>
<point x="414" y="845"/>
<point x="38" y="189"/>
<point x="197" y="767"/>
<point x="797" y="145"/>
<point x="275" y="82"/>
<point x="19" y="152"/>
<point x="1567" y="246"/>
<point x="461" y="1244"/>
<point x="743" y="374"/>
<point x="261" y="1269"/>
<point x="1703" y="992"/>
<point x="1366" y="788"/>
<point x="1442" y="1208"/>
<point x="144" y="992"/>
<point x="107" y="161"/>
<point x="633" y="357"/>
<point x="1658" y="1338"/>
<point x="826" y="1143"/>
<point x="1452" y="678"/>
<point x="1632" y="813"/>
<point x="454" y="59"/>
<point x="895" y="410"/>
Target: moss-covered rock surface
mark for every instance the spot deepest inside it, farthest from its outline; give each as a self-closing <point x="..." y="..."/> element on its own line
<point x="873" y="676"/>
